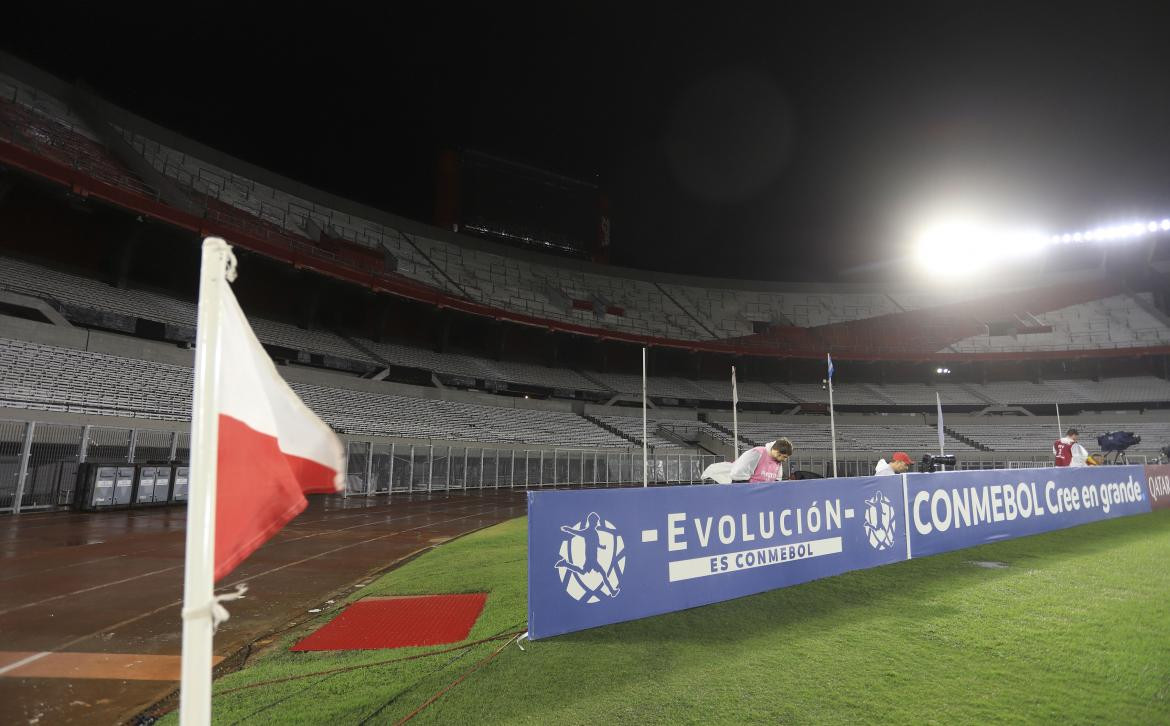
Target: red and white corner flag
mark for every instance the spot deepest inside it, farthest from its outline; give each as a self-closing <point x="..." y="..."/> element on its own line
<point x="256" y="450"/>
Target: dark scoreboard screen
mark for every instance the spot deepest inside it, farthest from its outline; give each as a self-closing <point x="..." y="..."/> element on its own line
<point x="527" y="207"/>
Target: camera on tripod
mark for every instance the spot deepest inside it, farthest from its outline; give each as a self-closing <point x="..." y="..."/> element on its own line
<point x="1116" y="442"/>
<point x="931" y="462"/>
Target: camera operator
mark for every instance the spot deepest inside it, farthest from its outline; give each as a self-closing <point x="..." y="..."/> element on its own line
<point x="899" y="463"/>
<point x="1068" y="452"/>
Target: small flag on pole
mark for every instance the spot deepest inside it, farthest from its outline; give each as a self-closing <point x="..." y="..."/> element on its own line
<point x="830" y="359"/>
<point x="941" y="433"/>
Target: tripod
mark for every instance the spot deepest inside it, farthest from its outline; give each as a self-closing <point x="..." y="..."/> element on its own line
<point x="1118" y="457"/>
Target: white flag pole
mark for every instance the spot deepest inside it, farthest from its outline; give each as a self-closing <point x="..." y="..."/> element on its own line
<point x="1059" y="428"/>
<point x="832" y="415"/>
<point x="941" y="435"/>
<point x="199" y="571"/>
<point x="734" y="414"/>
<point x="645" y="446"/>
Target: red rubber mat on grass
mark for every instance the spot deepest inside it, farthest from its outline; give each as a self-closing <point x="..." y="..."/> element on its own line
<point x="398" y="622"/>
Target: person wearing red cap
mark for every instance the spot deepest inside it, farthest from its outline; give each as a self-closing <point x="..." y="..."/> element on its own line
<point x="899" y="463"/>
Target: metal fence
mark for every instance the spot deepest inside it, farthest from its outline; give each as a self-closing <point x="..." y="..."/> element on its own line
<point x="39" y="461"/>
<point x="374" y="468"/>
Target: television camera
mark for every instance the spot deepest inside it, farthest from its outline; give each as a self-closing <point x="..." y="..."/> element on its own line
<point x="1116" y="443"/>
<point x="931" y="462"/>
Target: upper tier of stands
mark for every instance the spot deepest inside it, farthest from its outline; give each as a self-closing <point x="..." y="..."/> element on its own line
<point x="87" y="300"/>
<point x="1119" y="321"/>
<point x="588" y="297"/>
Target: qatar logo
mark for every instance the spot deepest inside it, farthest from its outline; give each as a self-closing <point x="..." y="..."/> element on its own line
<point x="593" y="558"/>
<point x="879" y="522"/>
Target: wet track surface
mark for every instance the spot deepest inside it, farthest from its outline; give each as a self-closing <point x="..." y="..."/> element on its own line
<point x="73" y="586"/>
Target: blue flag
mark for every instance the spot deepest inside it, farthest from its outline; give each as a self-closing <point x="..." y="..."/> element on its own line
<point x="830" y="359"/>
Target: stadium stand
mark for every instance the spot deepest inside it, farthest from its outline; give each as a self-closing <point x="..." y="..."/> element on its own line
<point x="370" y="414"/>
<point x="1120" y="321"/>
<point x="1031" y="437"/>
<point x="79" y="297"/>
<point x="52" y="378"/>
<point x="38" y="121"/>
<point x="891" y="437"/>
<point x="815" y="435"/>
<point x="656" y="386"/>
<point x="811" y="435"/>
<point x="749" y="392"/>
<point x="43" y="377"/>
<point x="794" y="318"/>
<point x="79" y="292"/>
<point x="61" y="379"/>
<point x="1119" y="390"/>
<point x="1082" y="313"/>
<point x="907" y="394"/>
<point x="632" y="427"/>
<point x="843" y="394"/>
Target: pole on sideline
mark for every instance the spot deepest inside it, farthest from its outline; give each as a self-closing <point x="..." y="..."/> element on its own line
<point x="199" y="563"/>
<point x="734" y="414"/>
<point x="645" y="447"/>
<point x="832" y="414"/>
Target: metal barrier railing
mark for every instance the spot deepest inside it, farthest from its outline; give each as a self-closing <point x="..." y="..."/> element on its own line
<point x="377" y="468"/>
<point x="39" y="463"/>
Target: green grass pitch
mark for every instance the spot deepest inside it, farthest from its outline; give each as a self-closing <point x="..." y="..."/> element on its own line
<point x="1075" y="629"/>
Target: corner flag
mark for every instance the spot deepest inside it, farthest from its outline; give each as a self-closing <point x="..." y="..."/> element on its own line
<point x="829" y="358"/>
<point x="256" y="450"/>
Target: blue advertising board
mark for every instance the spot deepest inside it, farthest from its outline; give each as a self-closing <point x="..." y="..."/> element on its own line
<point x="607" y="555"/>
<point x="604" y="556"/>
<point x="966" y="508"/>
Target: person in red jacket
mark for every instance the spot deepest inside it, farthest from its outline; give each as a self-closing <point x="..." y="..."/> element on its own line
<point x="1068" y="452"/>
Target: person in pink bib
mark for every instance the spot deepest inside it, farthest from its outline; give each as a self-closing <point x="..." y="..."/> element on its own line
<point x="762" y="463"/>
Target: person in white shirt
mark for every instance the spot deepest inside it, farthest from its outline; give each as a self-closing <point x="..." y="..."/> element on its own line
<point x="899" y="463"/>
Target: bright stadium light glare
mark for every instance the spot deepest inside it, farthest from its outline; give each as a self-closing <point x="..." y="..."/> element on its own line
<point x="960" y="246"/>
<point x="1116" y="232"/>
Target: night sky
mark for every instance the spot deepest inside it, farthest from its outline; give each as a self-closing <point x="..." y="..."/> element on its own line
<point x="775" y="141"/>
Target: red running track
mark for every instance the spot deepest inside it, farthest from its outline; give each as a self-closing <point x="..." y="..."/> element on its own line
<point x="89" y="603"/>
